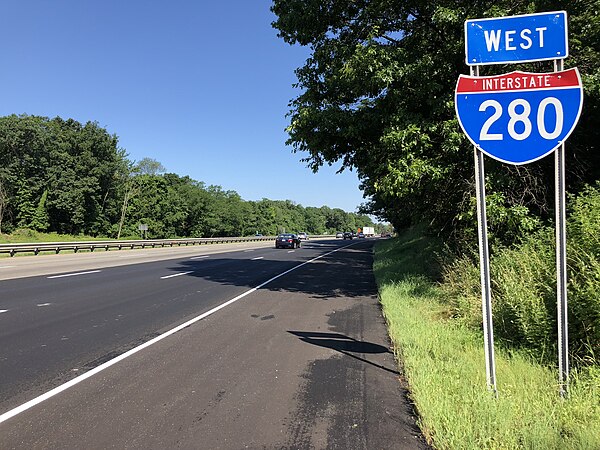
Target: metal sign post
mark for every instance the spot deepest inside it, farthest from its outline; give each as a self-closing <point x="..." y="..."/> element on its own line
<point x="561" y="263"/>
<point x="484" y="264"/>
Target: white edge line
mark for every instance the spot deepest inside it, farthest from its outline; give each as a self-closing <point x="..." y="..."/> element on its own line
<point x="257" y="258"/>
<point x="3" y="311"/>
<point x="63" y="387"/>
<point x="201" y="257"/>
<point x="174" y="275"/>
<point x="73" y="274"/>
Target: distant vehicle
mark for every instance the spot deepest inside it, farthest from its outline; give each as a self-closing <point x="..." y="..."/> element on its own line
<point x="348" y="235"/>
<point x="303" y="236"/>
<point x="368" y="231"/>
<point x="361" y="235"/>
<point x="339" y="235"/>
<point x="287" y="240"/>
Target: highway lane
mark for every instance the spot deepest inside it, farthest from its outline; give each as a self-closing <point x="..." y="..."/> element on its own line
<point x="45" y="264"/>
<point x="303" y="362"/>
<point x="56" y="327"/>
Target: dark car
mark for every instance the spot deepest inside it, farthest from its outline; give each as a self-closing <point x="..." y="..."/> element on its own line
<point x="348" y="235"/>
<point x="287" y="240"/>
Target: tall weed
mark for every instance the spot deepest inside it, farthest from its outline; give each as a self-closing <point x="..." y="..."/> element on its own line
<point x="524" y="286"/>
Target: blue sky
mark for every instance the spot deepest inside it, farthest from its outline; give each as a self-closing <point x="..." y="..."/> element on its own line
<point x="201" y="86"/>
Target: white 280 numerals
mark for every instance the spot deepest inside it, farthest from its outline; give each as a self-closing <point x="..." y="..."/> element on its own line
<point x="522" y="117"/>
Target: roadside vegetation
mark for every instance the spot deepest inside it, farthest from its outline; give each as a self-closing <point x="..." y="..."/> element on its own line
<point x="61" y="177"/>
<point x="442" y="361"/>
<point x="524" y="287"/>
<point x="25" y="235"/>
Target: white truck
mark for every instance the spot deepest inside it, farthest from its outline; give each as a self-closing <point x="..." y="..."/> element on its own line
<point x="368" y="231"/>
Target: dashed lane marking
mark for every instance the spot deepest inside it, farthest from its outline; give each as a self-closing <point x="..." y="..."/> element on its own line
<point x="73" y="274"/>
<point x="175" y="275"/>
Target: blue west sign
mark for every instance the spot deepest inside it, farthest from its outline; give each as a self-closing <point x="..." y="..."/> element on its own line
<point x="531" y="37"/>
<point x="519" y="117"/>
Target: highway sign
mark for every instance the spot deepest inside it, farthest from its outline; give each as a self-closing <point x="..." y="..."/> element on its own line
<point x="519" y="117"/>
<point x="531" y="37"/>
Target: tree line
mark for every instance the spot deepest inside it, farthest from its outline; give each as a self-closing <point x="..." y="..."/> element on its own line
<point x="63" y="176"/>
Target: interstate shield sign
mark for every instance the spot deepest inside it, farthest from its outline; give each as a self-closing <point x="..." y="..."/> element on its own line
<point x="519" y="117"/>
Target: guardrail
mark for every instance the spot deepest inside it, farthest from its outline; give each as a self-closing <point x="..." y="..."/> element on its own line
<point x="75" y="246"/>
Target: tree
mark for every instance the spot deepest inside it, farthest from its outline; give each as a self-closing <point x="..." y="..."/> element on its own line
<point x="3" y="202"/>
<point x="131" y="181"/>
<point x="377" y="96"/>
<point x="149" y="166"/>
<point x="58" y="174"/>
<point x="82" y="194"/>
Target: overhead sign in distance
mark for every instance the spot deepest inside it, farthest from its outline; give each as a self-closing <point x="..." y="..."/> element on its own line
<point x="519" y="117"/>
<point x="513" y="39"/>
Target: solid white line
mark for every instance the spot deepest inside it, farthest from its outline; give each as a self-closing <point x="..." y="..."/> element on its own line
<point x="5" y="267"/>
<point x="73" y="274"/>
<point x="250" y="250"/>
<point x="257" y="258"/>
<point x="44" y="304"/>
<point x="63" y="387"/>
<point x="175" y="275"/>
<point x="200" y="257"/>
<point x="3" y="311"/>
<point x="291" y="251"/>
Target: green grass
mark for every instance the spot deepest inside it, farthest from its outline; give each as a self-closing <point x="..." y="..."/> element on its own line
<point x="27" y="236"/>
<point x="443" y="363"/>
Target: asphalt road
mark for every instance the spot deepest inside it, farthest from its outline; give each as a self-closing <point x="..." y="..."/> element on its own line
<point x="301" y="362"/>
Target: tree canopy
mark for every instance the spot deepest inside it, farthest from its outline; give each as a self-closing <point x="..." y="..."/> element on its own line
<point x="377" y="95"/>
<point x="62" y="176"/>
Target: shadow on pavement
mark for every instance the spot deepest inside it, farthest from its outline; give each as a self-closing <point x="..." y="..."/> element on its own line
<point x="345" y="345"/>
<point x="338" y="275"/>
